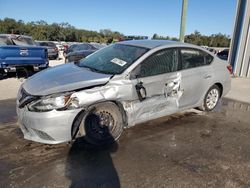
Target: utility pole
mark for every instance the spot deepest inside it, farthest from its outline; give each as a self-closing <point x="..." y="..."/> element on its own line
<point x="183" y="19"/>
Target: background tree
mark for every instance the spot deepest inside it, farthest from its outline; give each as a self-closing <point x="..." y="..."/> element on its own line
<point x="214" y="40"/>
<point x="41" y="30"/>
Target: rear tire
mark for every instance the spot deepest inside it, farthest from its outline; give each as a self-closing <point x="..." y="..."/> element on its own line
<point x="104" y="124"/>
<point x="211" y="98"/>
<point x="24" y="71"/>
<point x="2" y="73"/>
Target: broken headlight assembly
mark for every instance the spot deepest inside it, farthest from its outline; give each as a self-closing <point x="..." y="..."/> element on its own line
<point x="54" y="102"/>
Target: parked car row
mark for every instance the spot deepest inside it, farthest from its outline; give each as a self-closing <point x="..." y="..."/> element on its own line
<point x="52" y="49"/>
<point x="221" y="53"/>
<point x="77" y="52"/>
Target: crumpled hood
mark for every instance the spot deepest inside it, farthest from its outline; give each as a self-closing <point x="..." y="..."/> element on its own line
<point x="63" y="78"/>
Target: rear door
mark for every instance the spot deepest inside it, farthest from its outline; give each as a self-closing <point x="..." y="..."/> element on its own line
<point x="196" y="76"/>
<point x="159" y="79"/>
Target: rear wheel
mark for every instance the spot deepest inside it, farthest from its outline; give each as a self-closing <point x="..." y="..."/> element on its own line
<point x="104" y="124"/>
<point x="24" y="71"/>
<point x="211" y="98"/>
<point x="2" y="73"/>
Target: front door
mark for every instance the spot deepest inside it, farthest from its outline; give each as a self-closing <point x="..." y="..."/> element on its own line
<point x="156" y="85"/>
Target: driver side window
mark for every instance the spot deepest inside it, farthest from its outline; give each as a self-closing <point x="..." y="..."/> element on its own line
<point x="163" y="61"/>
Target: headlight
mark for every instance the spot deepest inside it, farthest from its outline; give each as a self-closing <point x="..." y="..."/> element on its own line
<point x="59" y="102"/>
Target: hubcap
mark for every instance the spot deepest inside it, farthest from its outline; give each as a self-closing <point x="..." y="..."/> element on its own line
<point x="212" y="98"/>
<point x="104" y="125"/>
<point x="106" y="119"/>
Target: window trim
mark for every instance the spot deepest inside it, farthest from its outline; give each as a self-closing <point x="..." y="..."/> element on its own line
<point x="132" y="77"/>
<point x="200" y="50"/>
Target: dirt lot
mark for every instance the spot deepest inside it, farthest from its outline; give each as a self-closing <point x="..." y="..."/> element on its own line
<point x="189" y="149"/>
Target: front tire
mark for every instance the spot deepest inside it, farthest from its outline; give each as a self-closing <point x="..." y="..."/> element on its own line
<point x="211" y="98"/>
<point x="104" y="124"/>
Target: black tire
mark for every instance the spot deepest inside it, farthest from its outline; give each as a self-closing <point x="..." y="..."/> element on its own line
<point x="206" y="106"/>
<point x="24" y="71"/>
<point x="104" y="124"/>
<point x="2" y="73"/>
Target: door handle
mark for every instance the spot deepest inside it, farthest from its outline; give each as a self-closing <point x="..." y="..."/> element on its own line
<point x="207" y="76"/>
<point x="172" y="83"/>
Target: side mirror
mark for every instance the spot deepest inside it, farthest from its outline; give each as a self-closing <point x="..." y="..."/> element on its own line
<point x="141" y="91"/>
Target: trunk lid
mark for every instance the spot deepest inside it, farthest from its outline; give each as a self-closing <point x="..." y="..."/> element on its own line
<point x="22" y="55"/>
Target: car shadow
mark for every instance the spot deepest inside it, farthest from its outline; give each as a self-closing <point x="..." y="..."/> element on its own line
<point x="91" y="166"/>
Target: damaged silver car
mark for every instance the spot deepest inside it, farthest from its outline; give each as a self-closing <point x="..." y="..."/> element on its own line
<point x="119" y="86"/>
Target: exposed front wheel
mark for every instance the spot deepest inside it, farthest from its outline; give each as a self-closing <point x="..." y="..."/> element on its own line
<point x="211" y="98"/>
<point x="104" y="124"/>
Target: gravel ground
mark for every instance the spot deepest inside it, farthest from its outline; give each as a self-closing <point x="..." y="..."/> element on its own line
<point x="183" y="150"/>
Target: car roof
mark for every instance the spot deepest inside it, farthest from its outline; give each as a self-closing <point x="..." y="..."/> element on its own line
<point x="150" y="44"/>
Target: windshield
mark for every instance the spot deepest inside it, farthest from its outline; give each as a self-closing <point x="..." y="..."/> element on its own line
<point x="113" y="59"/>
<point x="22" y="41"/>
<point x="97" y="45"/>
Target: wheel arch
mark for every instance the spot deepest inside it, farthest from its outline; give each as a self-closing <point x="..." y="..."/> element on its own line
<point x="83" y="114"/>
<point x="220" y="87"/>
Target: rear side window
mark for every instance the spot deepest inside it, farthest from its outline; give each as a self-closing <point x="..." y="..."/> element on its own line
<point x="72" y="48"/>
<point x="161" y="62"/>
<point x="83" y="47"/>
<point x="191" y="58"/>
<point x="209" y="59"/>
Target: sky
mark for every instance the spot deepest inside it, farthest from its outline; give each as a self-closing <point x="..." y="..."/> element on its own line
<point x="130" y="17"/>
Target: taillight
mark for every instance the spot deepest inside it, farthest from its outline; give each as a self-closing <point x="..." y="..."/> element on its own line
<point x="230" y="69"/>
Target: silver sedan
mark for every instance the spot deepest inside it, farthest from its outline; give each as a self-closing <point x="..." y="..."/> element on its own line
<point x="119" y="86"/>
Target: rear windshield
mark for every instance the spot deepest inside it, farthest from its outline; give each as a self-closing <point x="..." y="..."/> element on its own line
<point x="50" y="44"/>
<point x="22" y="41"/>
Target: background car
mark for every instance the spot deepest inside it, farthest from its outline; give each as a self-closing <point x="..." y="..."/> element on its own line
<point x="98" y="45"/>
<point x="60" y="47"/>
<point x="19" y="54"/>
<point x="53" y="52"/>
<point x="223" y="54"/>
<point x="77" y="52"/>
